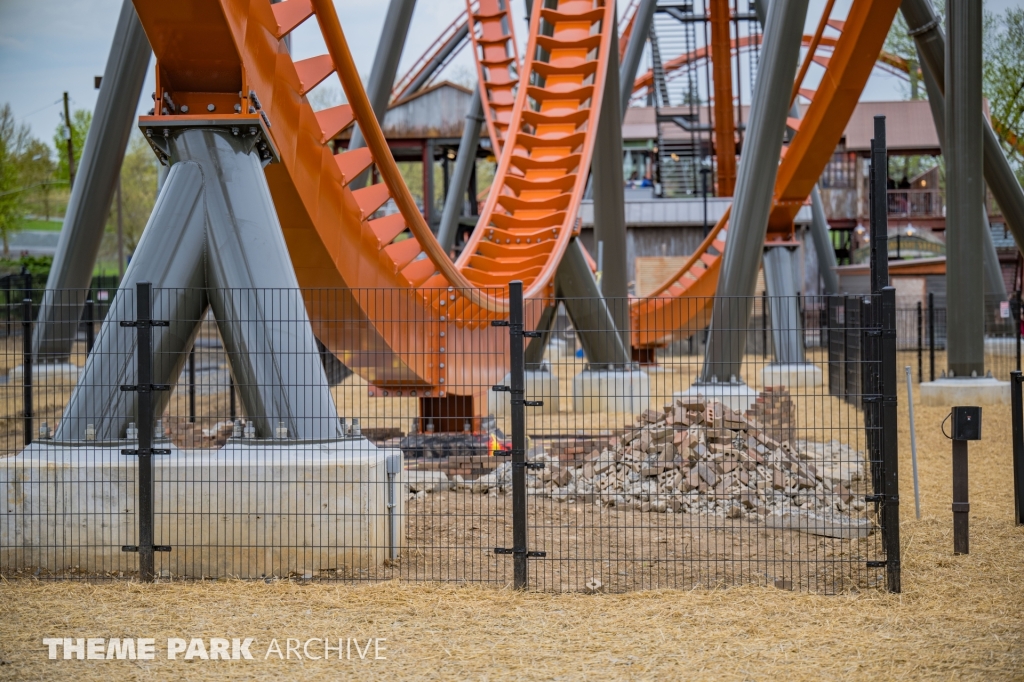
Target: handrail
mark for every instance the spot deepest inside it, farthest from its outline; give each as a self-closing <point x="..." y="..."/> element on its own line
<point x="337" y="47"/>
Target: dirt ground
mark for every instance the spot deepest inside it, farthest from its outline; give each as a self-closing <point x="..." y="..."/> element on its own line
<point x="959" y="617"/>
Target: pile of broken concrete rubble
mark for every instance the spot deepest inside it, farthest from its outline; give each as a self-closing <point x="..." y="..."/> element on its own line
<point x="700" y="457"/>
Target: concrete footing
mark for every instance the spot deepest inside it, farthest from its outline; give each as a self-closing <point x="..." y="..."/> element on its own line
<point x="791" y="375"/>
<point x="52" y="374"/>
<point x="611" y="390"/>
<point x="965" y="391"/>
<point x="736" y="395"/>
<point x="251" y="509"/>
<point x="541" y="384"/>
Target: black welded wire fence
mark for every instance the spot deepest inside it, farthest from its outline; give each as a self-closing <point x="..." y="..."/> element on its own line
<point x="356" y="435"/>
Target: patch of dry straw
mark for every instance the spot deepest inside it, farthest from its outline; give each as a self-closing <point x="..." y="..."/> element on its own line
<point x="958" y="617"/>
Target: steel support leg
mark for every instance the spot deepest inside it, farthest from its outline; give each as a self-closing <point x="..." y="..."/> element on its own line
<point x="756" y="178"/>
<point x="926" y="28"/>
<point x="787" y="334"/>
<point x="644" y="19"/>
<point x="93" y="192"/>
<point x="207" y="235"/>
<point x="385" y="66"/>
<point x="823" y="244"/>
<point x="964" y="191"/>
<point x="995" y="287"/>
<point x="453" y="203"/>
<point x="609" y="202"/>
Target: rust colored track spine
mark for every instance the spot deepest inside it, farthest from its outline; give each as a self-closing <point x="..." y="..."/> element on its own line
<point x="725" y="120"/>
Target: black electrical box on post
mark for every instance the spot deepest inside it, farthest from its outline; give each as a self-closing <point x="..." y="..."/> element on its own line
<point x="967" y="423"/>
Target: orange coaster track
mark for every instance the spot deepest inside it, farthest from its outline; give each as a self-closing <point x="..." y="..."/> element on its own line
<point x="227" y="49"/>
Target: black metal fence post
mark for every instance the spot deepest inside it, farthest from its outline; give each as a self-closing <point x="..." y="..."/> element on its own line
<point x="90" y="329"/>
<point x="961" y="501"/>
<point x="192" y="384"/>
<point x="931" y="337"/>
<point x="144" y="324"/>
<point x="1016" y="323"/>
<point x="890" y="440"/>
<point x="232" y="405"/>
<point x="764" y="325"/>
<point x="1017" y="418"/>
<point x="920" y="344"/>
<point x="26" y="366"/>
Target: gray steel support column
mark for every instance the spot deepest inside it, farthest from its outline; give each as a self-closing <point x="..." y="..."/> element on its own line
<point x="170" y="255"/>
<point x="658" y="71"/>
<point x="609" y="200"/>
<point x="965" y="301"/>
<point x="576" y="288"/>
<point x="255" y="294"/>
<point x="995" y="287"/>
<point x="644" y="19"/>
<point x="823" y="244"/>
<point x="385" y="66"/>
<point x="759" y="163"/>
<point x="93" y="192"/>
<point x="926" y="29"/>
<point x="212" y="239"/>
<point x="779" y="279"/>
<point x="459" y="183"/>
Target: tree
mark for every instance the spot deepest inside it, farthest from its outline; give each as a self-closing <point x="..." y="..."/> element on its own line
<point x="138" y="195"/>
<point x="1003" y="84"/>
<point x="37" y="171"/>
<point x="81" y="119"/>
<point x="13" y="140"/>
<point x="900" y="44"/>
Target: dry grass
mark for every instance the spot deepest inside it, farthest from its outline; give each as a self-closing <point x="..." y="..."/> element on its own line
<point x="958" y="617"/>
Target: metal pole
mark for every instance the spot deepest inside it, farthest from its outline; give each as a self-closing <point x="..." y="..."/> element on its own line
<point x="144" y="362"/>
<point x="913" y="445"/>
<point x="1016" y="323"/>
<point x="823" y="244"/>
<point x="518" y="419"/>
<point x="755" y="181"/>
<point x="965" y="302"/>
<point x="961" y="503"/>
<point x="232" y="401"/>
<point x="453" y="202"/>
<point x="878" y="200"/>
<point x="926" y="28"/>
<point x="439" y="58"/>
<point x="890" y="440"/>
<point x="609" y="200"/>
<point x="920" y="344"/>
<point x="26" y="366"/>
<point x="704" y="194"/>
<point x="69" y="137"/>
<point x="642" y="22"/>
<point x="90" y="327"/>
<point x="764" y="324"/>
<point x="1017" y="417"/>
<point x="994" y="285"/>
<point x="931" y="337"/>
<point x="89" y="205"/>
<point x="385" y="66"/>
<point x="192" y="384"/>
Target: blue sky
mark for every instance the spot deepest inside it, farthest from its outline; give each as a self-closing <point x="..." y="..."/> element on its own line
<point x="49" y="46"/>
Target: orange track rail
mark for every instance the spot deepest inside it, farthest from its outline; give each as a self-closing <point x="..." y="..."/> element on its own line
<point x="678" y="308"/>
<point x="208" y="49"/>
<point x="497" y="64"/>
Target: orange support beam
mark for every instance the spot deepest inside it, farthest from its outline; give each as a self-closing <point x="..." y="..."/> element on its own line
<point x="725" y="119"/>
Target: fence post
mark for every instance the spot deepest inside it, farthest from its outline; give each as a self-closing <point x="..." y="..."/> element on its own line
<point x="192" y="384"/>
<point x="90" y="330"/>
<point x="232" y="406"/>
<point x="144" y="324"/>
<point x="1017" y="418"/>
<point x="931" y="337"/>
<point x="889" y="440"/>
<point x="1016" y="324"/>
<point x="764" y="324"/>
<point x="26" y="366"/>
<point x="920" y="344"/>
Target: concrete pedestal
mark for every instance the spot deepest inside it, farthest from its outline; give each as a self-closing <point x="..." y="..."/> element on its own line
<point x="541" y="384"/>
<point x="736" y="395"/>
<point x="604" y="390"/>
<point x="54" y="374"/>
<point x="250" y="509"/>
<point x="966" y="391"/>
<point x="791" y="375"/>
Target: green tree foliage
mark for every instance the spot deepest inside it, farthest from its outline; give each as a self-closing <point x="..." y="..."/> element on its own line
<point x="1004" y="80"/>
<point x="138" y="195"/>
<point x="81" y="119"/>
<point x="14" y="140"/>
